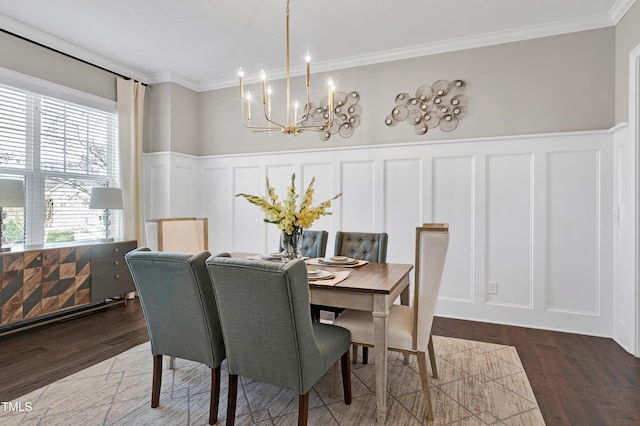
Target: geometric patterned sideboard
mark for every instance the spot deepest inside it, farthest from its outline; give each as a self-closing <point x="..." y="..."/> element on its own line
<point x="38" y="281"/>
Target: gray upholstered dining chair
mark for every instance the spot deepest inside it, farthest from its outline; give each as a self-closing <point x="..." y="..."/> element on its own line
<point x="314" y="243"/>
<point x="268" y="332"/>
<point x="179" y="307"/>
<point x="409" y="327"/>
<point x="362" y="246"/>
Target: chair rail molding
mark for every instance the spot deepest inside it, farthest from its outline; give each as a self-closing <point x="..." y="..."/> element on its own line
<point x="532" y="213"/>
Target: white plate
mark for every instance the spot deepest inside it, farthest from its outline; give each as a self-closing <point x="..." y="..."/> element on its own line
<point x="322" y="275"/>
<point x="272" y="256"/>
<point x="330" y="261"/>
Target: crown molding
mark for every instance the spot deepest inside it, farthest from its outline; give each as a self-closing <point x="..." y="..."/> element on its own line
<point x="68" y="48"/>
<point x="488" y="39"/>
<point x="172" y="77"/>
<point x="619" y="9"/>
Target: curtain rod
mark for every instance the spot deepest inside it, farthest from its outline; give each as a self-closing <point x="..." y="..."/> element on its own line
<point x="70" y="56"/>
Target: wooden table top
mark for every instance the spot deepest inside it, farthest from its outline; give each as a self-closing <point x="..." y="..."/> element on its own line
<point x="373" y="277"/>
<point x="380" y="278"/>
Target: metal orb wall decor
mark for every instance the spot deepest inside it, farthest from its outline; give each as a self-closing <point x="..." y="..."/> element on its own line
<point x="440" y="105"/>
<point x="346" y="118"/>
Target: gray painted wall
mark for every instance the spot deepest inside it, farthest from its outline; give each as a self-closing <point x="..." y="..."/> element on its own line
<point x="172" y="119"/>
<point x="627" y="38"/>
<point x="27" y="58"/>
<point x="157" y="118"/>
<point x="554" y="84"/>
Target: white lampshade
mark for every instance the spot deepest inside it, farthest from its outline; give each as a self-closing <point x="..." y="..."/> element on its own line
<point x="11" y="193"/>
<point x="105" y="198"/>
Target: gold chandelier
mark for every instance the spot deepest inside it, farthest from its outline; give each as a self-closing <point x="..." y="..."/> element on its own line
<point x="297" y="125"/>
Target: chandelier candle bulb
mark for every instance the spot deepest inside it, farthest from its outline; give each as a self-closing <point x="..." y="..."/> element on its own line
<point x="295" y="112"/>
<point x="269" y="100"/>
<point x="241" y="74"/>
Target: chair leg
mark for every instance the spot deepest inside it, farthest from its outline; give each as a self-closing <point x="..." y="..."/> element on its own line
<point x="315" y="313"/>
<point x="432" y="358"/>
<point x="365" y="354"/>
<point x="424" y="378"/>
<point x="303" y="409"/>
<point x="346" y="377"/>
<point x="232" y="399"/>
<point x="157" y="381"/>
<point x="215" y="395"/>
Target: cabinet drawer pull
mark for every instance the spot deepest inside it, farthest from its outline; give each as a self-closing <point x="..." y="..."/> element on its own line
<point x="117" y="277"/>
<point x="116" y="249"/>
<point x="116" y="263"/>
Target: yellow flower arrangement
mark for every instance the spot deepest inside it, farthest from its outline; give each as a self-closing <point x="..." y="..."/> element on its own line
<point x="285" y="213"/>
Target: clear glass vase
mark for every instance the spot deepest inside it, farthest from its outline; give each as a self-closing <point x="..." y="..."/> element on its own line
<point x="291" y="245"/>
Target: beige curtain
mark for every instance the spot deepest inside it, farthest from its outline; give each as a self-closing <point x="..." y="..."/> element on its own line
<point x="130" y="113"/>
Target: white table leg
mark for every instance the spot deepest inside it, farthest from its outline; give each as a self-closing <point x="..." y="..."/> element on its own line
<point x="380" y="314"/>
<point x="405" y="300"/>
<point x="169" y="362"/>
<point x="335" y="380"/>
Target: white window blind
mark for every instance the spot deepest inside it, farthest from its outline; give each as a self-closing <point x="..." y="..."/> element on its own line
<point x="60" y="150"/>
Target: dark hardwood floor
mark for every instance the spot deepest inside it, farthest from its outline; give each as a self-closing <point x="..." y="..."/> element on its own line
<point x="33" y="358"/>
<point x="577" y="380"/>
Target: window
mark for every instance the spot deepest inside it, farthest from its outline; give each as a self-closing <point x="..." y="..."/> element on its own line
<point x="60" y="150"/>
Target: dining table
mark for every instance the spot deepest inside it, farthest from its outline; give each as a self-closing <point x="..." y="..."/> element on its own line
<point x="371" y="287"/>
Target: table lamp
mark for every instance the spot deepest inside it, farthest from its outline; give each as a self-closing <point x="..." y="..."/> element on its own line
<point x="106" y="198"/>
<point x="11" y="195"/>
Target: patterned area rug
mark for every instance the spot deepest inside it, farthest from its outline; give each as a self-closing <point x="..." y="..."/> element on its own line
<point x="479" y="383"/>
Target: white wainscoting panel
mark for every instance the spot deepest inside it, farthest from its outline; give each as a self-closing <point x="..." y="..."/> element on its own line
<point x="217" y="204"/>
<point x="172" y="184"/>
<point x="156" y="188"/>
<point x="573" y="216"/>
<point x="533" y="213"/>
<point x="359" y="201"/>
<point x="325" y="186"/>
<point x="246" y="220"/>
<point x="509" y="236"/>
<point x="186" y="186"/>
<point x="625" y="320"/>
<point x="453" y="201"/>
<point x="402" y="204"/>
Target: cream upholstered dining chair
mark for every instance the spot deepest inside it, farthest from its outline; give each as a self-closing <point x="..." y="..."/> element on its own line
<point x="409" y="329"/>
<point x="268" y="332"/>
<point x="180" y="310"/>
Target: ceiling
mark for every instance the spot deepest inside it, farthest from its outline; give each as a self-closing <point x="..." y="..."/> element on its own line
<point x="202" y="43"/>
